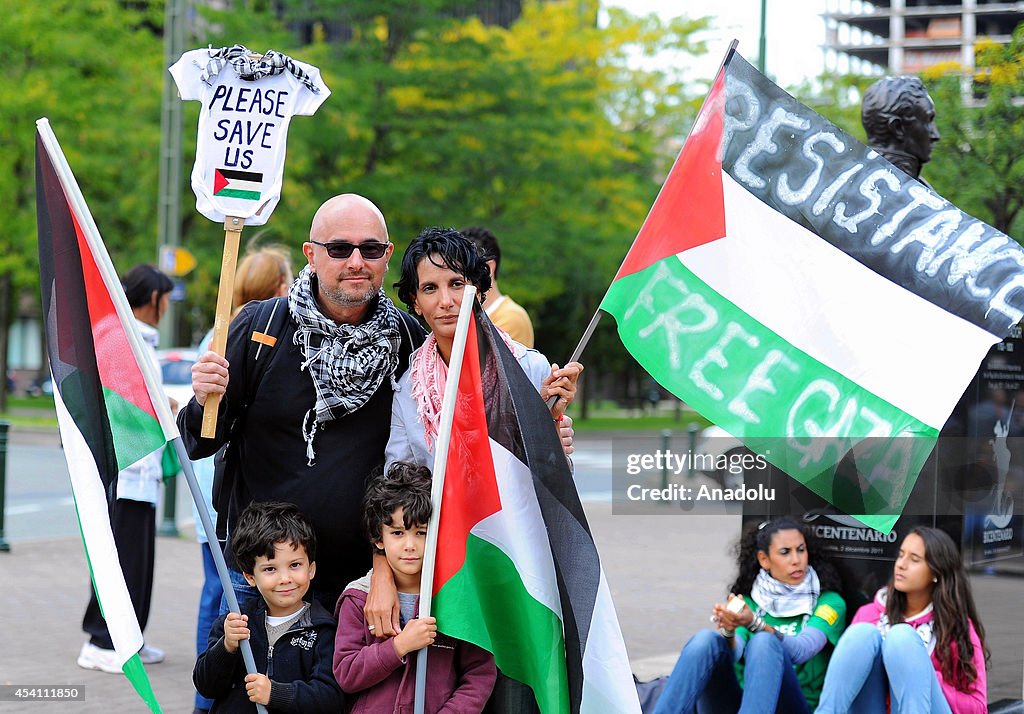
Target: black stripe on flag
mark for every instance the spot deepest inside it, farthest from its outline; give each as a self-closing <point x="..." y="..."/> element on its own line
<point x="854" y="180"/>
<point x="241" y="175"/>
<point x="519" y="420"/>
<point x="69" y="341"/>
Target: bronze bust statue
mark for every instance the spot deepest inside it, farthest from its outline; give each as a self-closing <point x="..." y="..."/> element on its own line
<point x="899" y="118"/>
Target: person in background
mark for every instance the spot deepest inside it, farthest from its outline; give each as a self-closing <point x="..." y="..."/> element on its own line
<point x="504" y="312"/>
<point x="261" y="275"/>
<point x="133" y="519"/>
<point x="920" y="641"/>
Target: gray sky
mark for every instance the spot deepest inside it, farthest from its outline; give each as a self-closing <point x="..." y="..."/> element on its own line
<point x="795" y="32"/>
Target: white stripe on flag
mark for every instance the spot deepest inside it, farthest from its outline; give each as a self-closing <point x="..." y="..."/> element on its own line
<point x="91" y="503"/>
<point x="607" y="677"/>
<point x="897" y="345"/>
<point x="243" y="185"/>
<point x="518" y="528"/>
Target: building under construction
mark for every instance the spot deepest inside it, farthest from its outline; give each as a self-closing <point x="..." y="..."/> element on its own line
<point x="908" y="36"/>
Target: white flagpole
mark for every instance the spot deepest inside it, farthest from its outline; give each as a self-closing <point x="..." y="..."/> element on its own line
<point x="215" y="551"/>
<point x="444" y="435"/>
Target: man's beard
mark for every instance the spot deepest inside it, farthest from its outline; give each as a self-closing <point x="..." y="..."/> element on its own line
<point x="341" y="298"/>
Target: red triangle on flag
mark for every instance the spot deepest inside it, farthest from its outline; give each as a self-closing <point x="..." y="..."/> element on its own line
<point x="690" y="209"/>
<point x="470" y="491"/>
<point x="219" y="181"/>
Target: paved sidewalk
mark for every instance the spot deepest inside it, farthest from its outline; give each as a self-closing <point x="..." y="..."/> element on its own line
<point x="664" y="572"/>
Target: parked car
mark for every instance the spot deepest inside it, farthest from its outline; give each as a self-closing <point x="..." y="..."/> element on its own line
<point x="176" y="371"/>
<point x="716" y="443"/>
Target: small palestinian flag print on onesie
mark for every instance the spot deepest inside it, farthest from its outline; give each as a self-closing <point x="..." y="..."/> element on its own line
<point x="245" y="185"/>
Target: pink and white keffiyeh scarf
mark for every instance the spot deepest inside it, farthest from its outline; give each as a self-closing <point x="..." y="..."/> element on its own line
<point x="428" y="375"/>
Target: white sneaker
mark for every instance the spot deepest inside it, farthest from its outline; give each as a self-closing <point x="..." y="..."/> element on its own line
<point x="151" y="655"/>
<point x="93" y="657"/>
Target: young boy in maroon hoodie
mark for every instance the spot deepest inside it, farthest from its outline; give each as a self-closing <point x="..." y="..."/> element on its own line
<point x="380" y="674"/>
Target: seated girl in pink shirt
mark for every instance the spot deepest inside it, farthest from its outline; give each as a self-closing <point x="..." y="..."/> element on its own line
<point x="921" y="636"/>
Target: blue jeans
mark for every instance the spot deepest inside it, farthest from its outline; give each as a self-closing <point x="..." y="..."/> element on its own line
<point x="864" y="663"/>
<point x="704" y="679"/>
<point x="209" y="606"/>
<point x="243" y="591"/>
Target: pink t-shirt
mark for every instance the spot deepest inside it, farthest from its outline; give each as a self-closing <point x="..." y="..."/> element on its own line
<point x="973" y="701"/>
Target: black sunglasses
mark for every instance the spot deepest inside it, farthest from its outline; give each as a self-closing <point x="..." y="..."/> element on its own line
<point x="339" y="249"/>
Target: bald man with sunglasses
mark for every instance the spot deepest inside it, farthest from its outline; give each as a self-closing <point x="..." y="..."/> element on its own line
<point x="315" y="427"/>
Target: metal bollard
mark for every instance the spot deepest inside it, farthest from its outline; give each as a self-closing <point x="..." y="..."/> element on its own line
<point x="5" y="547"/>
<point x="666" y="440"/>
<point x="691" y="433"/>
<point x="168" y="526"/>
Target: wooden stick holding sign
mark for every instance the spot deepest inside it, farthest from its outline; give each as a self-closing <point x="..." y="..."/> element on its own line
<point x="232" y="238"/>
<point x="248" y="100"/>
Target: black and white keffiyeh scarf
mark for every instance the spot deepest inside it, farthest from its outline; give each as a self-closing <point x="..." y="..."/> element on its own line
<point x="779" y="599"/>
<point x="348" y="363"/>
<point x="239" y="57"/>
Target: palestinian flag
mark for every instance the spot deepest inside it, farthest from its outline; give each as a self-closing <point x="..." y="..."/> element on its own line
<point x="809" y="297"/>
<point x="110" y="414"/>
<point x="229" y="183"/>
<point x="517" y="572"/>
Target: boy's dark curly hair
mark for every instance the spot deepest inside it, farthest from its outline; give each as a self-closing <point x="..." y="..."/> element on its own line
<point x="263" y="525"/>
<point x="406" y="486"/>
<point x="758" y="537"/>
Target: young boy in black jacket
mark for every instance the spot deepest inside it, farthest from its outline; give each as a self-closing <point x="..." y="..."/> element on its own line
<point x="292" y="640"/>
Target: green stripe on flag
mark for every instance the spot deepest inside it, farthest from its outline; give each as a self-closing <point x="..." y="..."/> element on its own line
<point x="236" y="193"/>
<point x="744" y="377"/>
<point x="135" y="433"/>
<point x="136" y="674"/>
<point x="488" y="589"/>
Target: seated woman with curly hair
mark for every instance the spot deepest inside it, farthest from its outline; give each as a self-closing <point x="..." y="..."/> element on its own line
<point x="775" y="634"/>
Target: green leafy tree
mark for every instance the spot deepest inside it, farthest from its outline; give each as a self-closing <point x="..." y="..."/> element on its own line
<point x="978" y="164"/>
<point x="837" y="97"/>
<point x="549" y="132"/>
<point x="94" y="69"/>
<point x="545" y="132"/>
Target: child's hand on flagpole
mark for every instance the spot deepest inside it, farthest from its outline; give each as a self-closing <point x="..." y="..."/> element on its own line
<point x="417" y="634"/>
<point x="257" y="686"/>
<point x="209" y="376"/>
<point x="236" y="629"/>
<point x="560" y="385"/>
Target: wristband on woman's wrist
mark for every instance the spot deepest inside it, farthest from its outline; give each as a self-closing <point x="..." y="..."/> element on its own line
<point x="726" y="633"/>
<point x="757" y="624"/>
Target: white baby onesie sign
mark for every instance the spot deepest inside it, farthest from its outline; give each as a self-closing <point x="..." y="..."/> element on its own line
<point x="248" y="101"/>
